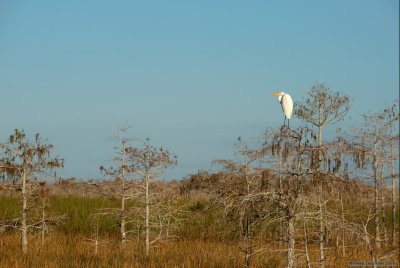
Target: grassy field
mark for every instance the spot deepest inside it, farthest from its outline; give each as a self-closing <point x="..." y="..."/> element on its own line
<point x="61" y="250"/>
<point x="200" y="242"/>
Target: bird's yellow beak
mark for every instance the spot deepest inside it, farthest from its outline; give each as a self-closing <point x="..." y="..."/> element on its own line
<point x="277" y="94"/>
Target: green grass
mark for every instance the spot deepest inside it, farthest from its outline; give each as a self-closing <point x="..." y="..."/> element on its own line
<point x="10" y="207"/>
<point x="79" y="212"/>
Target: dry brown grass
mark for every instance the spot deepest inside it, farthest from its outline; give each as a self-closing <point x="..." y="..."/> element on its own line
<point x="73" y="251"/>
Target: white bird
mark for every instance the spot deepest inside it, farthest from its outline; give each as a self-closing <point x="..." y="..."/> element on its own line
<point x="287" y="105"/>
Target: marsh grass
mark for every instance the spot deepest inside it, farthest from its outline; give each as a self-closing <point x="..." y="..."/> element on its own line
<point x="71" y="251"/>
<point x="201" y="241"/>
<point x="68" y="250"/>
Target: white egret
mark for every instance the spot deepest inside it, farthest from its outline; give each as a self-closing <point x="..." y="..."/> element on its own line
<point x="287" y="105"/>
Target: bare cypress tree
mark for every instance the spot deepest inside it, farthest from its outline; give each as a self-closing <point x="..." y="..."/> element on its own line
<point x="44" y="222"/>
<point x="242" y="201"/>
<point x="43" y="194"/>
<point x="147" y="163"/>
<point x="294" y="150"/>
<point x="23" y="159"/>
<point x="375" y="141"/>
<point x="123" y="141"/>
<point x="368" y="140"/>
<point x="122" y="187"/>
<point x="96" y="241"/>
<point x="391" y="117"/>
<point x="322" y="108"/>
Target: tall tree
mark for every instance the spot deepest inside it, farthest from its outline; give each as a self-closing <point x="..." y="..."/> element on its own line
<point x="22" y="161"/>
<point x="289" y="198"/>
<point x="122" y="187"/>
<point x="147" y="163"/>
<point x="392" y="117"/>
<point x="321" y="108"/>
<point x="368" y="139"/>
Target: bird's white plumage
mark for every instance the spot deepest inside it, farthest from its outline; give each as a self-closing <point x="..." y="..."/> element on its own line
<point x="287" y="104"/>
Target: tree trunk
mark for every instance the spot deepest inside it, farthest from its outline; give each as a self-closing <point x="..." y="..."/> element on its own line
<point x="96" y="246"/>
<point x="376" y="196"/>
<point x="147" y="217"/>
<point x="247" y="260"/>
<point x="96" y="237"/>
<point x="43" y="219"/>
<point x="123" y="232"/>
<point x="343" y="230"/>
<point x="248" y="253"/>
<point x="280" y="191"/>
<point x="371" y="250"/>
<point x="290" y="242"/>
<point x="246" y="174"/>
<point x="393" y="188"/>
<point x="320" y="209"/>
<point x="382" y="200"/>
<point x="319" y="148"/>
<point x="306" y="245"/>
<point x="24" y="228"/>
<point x="320" y="227"/>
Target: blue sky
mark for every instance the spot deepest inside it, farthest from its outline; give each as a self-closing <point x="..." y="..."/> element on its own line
<point x="192" y="76"/>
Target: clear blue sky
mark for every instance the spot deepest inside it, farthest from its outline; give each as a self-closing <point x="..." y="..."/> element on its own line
<point x="191" y="75"/>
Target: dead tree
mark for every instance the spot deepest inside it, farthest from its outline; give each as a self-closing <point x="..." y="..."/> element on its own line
<point x="22" y="160"/>
<point x="382" y="183"/>
<point x="43" y="194"/>
<point x="367" y="141"/>
<point x="360" y="230"/>
<point x="294" y="150"/>
<point x="322" y="108"/>
<point x="391" y="117"/>
<point x="240" y="203"/>
<point x="291" y="205"/>
<point x="147" y="163"/>
<point x="121" y="187"/>
<point x="96" y="241"/>
<point x="43" y="222"/>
